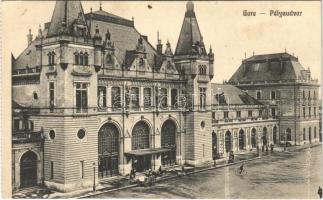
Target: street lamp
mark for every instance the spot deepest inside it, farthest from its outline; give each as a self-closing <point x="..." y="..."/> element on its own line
<point x="94" y="189"/>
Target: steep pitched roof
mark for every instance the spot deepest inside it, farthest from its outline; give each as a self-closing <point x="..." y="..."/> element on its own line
<point x="28" y="56"/>
<point x="269" y="67"/>
<point x="228" y="94"/>
<point x="124" y="36"/>
<point x="190" y="33"/>
<point x="65" y="14"/>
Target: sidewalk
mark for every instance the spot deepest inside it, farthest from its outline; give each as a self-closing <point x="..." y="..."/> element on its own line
<point x="121" y="182"/>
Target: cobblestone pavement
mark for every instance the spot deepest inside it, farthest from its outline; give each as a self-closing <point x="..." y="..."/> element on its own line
<point x="293" y="174"/>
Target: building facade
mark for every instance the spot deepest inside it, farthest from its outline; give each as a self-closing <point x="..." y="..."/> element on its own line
<point x="92" y="99"/>
<point x="281" y="83"/>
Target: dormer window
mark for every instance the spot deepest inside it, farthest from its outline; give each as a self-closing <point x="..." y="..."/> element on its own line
<point x="169" y="65"/>
<point x="51" y="58"/>
<point x="108" y="59"/>
<point x="141" y="62"/>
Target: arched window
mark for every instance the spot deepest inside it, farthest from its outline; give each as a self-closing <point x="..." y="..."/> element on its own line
<point x="51" y="58"/>
<point x="81" y="58"/>
<point x="76" y="58"/>
<point x="140" y="136"/>
<point x="86" y="58"/>
<point x="202" y="70"/>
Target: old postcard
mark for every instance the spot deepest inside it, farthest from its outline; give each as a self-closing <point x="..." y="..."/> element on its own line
<point x="161" y="99"/>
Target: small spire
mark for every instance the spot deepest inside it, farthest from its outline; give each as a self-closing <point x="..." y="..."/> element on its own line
<point x="211" y="49"/>
<point x="253" y="53"/>
<point x="285" y="50"/>
<point x="100" y="5"/>
<point x="133" y="19"/>
<point x="91" y="10"/>
<point x="245" y="55"/>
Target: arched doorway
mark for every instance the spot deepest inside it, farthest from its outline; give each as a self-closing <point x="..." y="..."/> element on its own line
<point x="28" y="169"/>
<point x="214" y="145"/>
<point x="288" y="134"/>
<point x="264" y="136"/>
<point x="241" y="139"/>
<point x="108" y="150"/>
<point x="228" y="141"/>
<point x="275" y="134"/>
<point x="168" y="140"/>
<point x="140" y="140"/>
<point x="253" y="138"/>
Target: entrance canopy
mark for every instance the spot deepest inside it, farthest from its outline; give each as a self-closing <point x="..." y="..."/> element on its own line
<point x="142" y="152"/>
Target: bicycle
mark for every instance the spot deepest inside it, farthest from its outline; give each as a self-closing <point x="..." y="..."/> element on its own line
<point x="243" y="172"/>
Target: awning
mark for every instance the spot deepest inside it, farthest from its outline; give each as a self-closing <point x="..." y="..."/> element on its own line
<point x="142" y="152"/>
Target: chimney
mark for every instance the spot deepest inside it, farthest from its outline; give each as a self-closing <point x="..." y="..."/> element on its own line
<point x="29" y="37"/>
<point x="159" y="45"/>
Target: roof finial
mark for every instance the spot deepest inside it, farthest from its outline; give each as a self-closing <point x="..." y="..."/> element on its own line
<point x="253" y="53"/>
<point x="245" y="55"/>
<point x="189" y="6"/>
<point x="285" y="50"/>
<point x="158" y="40"/>
<point x="100" y="5"/>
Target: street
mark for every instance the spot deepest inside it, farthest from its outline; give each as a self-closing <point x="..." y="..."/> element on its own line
<point x="282" y="175"/>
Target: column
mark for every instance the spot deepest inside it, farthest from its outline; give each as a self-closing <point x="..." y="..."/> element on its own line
<point x="141" y="98"/>
<point x="108" y="98"/>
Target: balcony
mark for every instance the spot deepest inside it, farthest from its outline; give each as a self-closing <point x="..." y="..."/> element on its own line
<point x="203" y="78"/>
<point x="27" y="136"/>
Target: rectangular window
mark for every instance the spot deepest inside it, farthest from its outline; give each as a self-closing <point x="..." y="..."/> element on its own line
<point x="163" y="98"/>
<point x="174" y="98"/>
<point x="213" y="115"/>
<point x="147" y="98"/>
<point x="273" y="95"/>
<point x="31" y="125"/>
<point x="202" y="98"/>
<point x="260" y="113"/>
<point x="82" y="169"/>
<point x="16" y="123"/>
<point x="314" y="111"/>
<point x="273" y="112"/>
<point x="51" y="96"/>
<point x="81" y="97"/>
<point x="304" y="112"/>
<point x="309" y="111"/>
<point x="51" y="170"/>
<point x="309" y="94"/>
<point x="226" y="114"/>
<point x="314" y="96"/>
<point x="116" y="98"/>
<point x="102" y="99"/>
<point x="135" y="98"/>
<point x="304" y="134"/>
<point x="238" y="114"/>
<point x="258" y="96"/>
<point x="249" y="113"/>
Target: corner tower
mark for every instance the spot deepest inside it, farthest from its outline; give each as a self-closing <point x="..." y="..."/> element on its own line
<point x="70" y="59"/>
<point x="196" y="66"/>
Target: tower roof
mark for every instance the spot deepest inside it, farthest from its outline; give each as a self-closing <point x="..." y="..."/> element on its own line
<point x="66" y="14"/>
<point x="190" y="38"/>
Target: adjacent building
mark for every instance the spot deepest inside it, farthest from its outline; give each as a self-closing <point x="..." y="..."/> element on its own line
<point x="93" y="98"/>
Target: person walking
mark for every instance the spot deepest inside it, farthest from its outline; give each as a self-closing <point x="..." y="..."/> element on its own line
<point x="319" y="192"/>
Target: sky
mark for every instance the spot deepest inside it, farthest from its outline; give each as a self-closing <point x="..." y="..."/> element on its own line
<point x="222" y="24"/>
